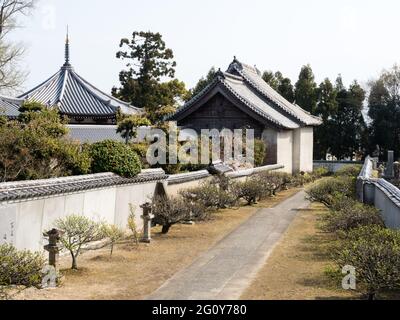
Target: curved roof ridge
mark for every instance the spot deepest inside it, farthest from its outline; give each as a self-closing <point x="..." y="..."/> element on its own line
<point x="38" y="87"/>
<point x="87" y="83"/>
<point x="274" y="96"/>
<point x="90" y="92"/>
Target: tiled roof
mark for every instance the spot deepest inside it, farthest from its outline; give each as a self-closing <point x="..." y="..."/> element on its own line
<point x="9" y="106"/>
<point x="75" y="96"/>
<point x="93" y="133"/>
<point x="12" y="191"/>
<point x="246" y="84"/>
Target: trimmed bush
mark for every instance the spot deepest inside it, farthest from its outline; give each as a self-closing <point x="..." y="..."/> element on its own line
<point x="328" y="190"/>
<point x="20" y="267"/>
<point x="211" y="196"/>
<point x="352" y="215"/>
<point x="114" y="156"/>
<point x="169" y="211"/>
<point x="320" y="172"/>
<point x="249" y="190"/>
<point x="375" y="254"/>
<point x="351" y="170"/>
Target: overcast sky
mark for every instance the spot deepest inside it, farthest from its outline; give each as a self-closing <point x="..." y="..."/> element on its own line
<point x="356" y="38"/>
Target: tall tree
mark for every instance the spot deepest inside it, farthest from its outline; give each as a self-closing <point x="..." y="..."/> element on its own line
<point x="326" y="108"/>
<point x="384" y="112"/>
<point x="149" y="61"/>
<point x="201" y="84"/>
<point x="280" y="84"/>
<point x="10" y="75"/>
<point x="347" y="125"/>
<point x="306" y="92"/>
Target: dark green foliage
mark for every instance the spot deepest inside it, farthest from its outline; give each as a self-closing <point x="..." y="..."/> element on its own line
<point x="38" y="148"/>
<point x="149" y="60"/>
<point x="384" y="111"/>
<point x="375" y="254"/>
<point x="201" y="84"/>
<point x="306" y="93"/>
<point x="20" y="267"/>
<point x="280" y="84"/>
<point x="348" y="123"/>
<point x="113" y="156"/>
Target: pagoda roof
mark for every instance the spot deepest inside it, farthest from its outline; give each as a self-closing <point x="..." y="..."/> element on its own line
<point x="246" y="86"/>
<point x="9" y="106"/>
<point x="75" y="96"/>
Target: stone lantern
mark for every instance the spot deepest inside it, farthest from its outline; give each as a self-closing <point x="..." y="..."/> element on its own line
<point x="147" y="217"/>
<point x="53" y="248"/>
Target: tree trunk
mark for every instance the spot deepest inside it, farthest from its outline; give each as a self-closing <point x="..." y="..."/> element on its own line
<point x="371" y="296"/>
<point x="165" y="228"/>
<point x="74" y="264"/>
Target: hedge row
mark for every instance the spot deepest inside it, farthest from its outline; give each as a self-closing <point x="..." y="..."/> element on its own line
<point x="362" y="241"/>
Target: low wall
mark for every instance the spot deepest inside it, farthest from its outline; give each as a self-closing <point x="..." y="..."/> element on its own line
<point x="333" y="166"/>
<point x="28" y="208"/>
<point x="380" y="193"/>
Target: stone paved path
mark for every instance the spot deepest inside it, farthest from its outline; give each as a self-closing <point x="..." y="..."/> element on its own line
<point x="225" y="271"/>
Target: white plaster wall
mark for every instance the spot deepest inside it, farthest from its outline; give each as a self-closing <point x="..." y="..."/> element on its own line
<point x="390" y="212"/>
<point x="22" y="223"/>
<point x="303" y="148"/>
<point x="285" y="149"/>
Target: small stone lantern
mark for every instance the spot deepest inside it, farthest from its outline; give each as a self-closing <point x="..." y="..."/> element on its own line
<point x="54" y="236"/>
<point x="147" y="217"/>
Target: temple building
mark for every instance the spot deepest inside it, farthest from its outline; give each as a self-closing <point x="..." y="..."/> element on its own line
<point x="240" y="99"/>
<point x="91" y="113"/>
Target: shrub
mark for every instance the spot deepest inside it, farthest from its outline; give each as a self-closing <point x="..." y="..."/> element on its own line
<point x="271" y="182"/>
<point x="37" y="148"/>
<point x="320" y="172"/>
<point x="169" y="211"/>
<point x="249" y="190"/>
<point x="78" y="232"/>
<point x="327" y="190"/>
<point x="114" y="234"/>
<point x="20" y="267"/>
<point x="352" y="215"/>
<point x="210" y="196"/>
<point x="351" y="170"/>
<point x="113" y="156"/>
<point x="141" y="150"/>
<point x="375" y="254"/>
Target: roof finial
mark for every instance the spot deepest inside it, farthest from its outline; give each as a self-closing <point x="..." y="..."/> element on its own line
<point x="67" y="48"/>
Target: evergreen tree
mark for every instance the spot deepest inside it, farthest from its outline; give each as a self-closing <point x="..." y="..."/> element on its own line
<point x="201" y="84"/>
<point x="306" y="92"/>
<point x="326" y="109"/>
<point x="149" y="61"/>
<point x="280" y="84"/>
<point x="384" y="111"/>
<point x="347" y="127"/>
